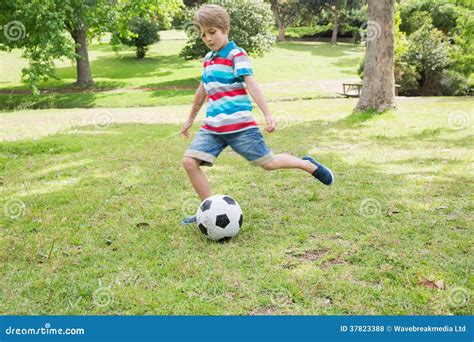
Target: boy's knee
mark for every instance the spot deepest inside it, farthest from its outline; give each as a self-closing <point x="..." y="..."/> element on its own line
<point x="190" y="163"/>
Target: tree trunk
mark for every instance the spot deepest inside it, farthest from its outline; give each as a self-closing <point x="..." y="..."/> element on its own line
<point x="378" y="89"/>
<point x="335" y="25"/>
<point x="279" y="21"/>
<point x="84" y="76"/>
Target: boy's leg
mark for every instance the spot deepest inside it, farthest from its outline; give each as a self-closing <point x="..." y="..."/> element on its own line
<point x="197" y="177"/>
<point x="287" y="161"/>
<point x="204" y="149"/>
<point x="251" y="146"/>
<point x="307" y="163"/>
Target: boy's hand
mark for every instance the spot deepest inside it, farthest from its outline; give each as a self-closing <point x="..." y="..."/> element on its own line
<point x="271" y="123"/>
<point x="185" y="128"/>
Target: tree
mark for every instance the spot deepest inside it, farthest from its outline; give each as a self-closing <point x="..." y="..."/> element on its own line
<point x="442" y="14"/>
<point x="57" y="29"/>
<point x="290" y="13"/>
<point x="378" y="89"/>
<point x="281" y="26"/>
<point x="145" y="33"/>
<point x="337" y="11"/>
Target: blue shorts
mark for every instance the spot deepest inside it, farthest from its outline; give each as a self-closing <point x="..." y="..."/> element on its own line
<point x="249" y="143"/>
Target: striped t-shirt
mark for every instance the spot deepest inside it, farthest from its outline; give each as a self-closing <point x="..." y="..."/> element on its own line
<point x="229" y="108"/>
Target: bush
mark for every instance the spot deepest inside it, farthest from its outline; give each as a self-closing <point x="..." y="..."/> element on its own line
<point x="427" y="61"/>
<point x="443" y="15"/>
<point x="250" y="27"/>
<point x="463" y="52"/>
<point x="144" y="33"/>
<point x="428" y="53"/>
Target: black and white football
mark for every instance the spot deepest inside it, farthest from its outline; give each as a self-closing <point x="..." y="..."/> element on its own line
<point x="219" y="217"/>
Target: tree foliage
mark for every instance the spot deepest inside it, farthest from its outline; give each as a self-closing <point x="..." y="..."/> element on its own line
<point x="250" y="27"/>
<point x="58" y="29"/>
<point x="145" y="33"/>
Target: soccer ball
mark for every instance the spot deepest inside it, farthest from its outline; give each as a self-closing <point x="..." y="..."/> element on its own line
<point x="219" y="217"/>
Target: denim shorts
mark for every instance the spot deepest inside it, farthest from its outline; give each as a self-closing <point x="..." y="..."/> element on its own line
<point x="249" y="143"/>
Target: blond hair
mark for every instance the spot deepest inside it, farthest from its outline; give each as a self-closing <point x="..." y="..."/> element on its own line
<point x="212" y="16"/>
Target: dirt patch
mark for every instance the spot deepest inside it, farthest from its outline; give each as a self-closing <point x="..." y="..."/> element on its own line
<point x="308" y="255"/>
<point x="331" y="262"/>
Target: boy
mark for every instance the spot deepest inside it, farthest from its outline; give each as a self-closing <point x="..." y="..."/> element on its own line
<point x="226" y="82"/>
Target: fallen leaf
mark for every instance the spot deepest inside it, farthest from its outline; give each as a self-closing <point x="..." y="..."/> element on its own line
<point x="428" y="283"/>
<point x="431" y="284"/>
<point x="142" y="225"/>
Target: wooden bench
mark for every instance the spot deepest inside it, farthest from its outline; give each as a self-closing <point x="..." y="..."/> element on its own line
<point x="353" y="89"/>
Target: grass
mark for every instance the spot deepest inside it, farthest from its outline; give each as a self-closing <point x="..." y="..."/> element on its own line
<point x="165" y="79"/>
<point x="90" y="215"/>
<point x="97" y="227"/>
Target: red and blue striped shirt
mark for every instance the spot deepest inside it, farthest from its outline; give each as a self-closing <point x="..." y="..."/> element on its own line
<point x="229" y="108"/>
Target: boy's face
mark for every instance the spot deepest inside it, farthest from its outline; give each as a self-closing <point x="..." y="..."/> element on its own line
<point x="214" y="38"/>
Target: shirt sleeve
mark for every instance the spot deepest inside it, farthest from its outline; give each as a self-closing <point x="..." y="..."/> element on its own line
<point x="242" y="65"/>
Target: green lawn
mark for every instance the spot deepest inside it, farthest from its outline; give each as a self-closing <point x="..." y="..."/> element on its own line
<point x="163" y="78"/>
<point x="90" y="216"/>
<point x="91" y="219"/>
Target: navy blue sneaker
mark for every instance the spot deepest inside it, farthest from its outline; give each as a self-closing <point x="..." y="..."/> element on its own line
<point x="189" y="220"/>
<point x="322" y="173"/>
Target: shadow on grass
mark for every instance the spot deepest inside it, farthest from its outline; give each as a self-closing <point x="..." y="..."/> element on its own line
<point x="347" y="65"/>
<point x="25" y="102"/>
<point x="191" y="82"/>
<point x="124" y="67"/>
<point x="61" y="86"/>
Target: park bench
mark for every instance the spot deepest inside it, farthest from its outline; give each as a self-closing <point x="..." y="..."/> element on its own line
<point x="353" y="89"/>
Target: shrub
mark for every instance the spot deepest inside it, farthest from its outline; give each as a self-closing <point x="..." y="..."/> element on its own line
<point x="144" y="33"/>
<point x="250" y="27"/>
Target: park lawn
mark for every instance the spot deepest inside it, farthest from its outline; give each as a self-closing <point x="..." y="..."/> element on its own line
<point x="100" y="232"/>
<point x="163" y="78"/>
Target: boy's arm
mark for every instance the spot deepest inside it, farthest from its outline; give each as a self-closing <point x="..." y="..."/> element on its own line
<point x="199" y="98"/>
<point x="257" y="95"/>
